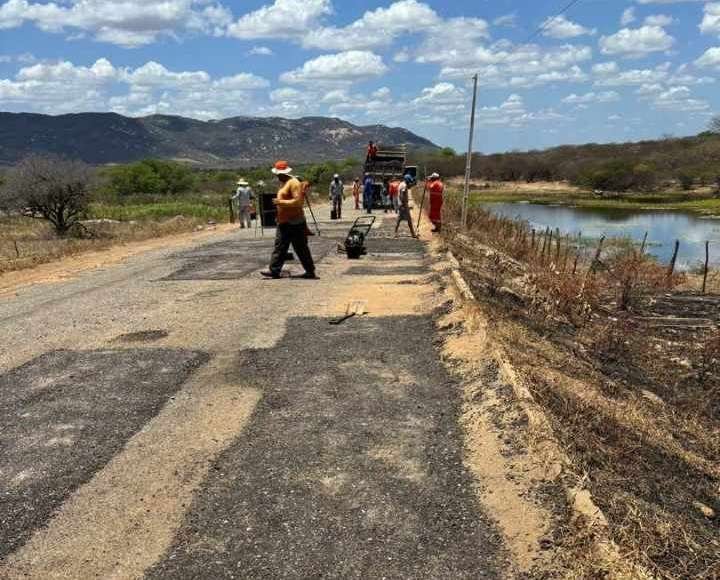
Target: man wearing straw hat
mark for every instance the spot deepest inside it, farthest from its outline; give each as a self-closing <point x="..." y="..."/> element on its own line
<point x="292" y="227"/>
<point x="244" y="197"/>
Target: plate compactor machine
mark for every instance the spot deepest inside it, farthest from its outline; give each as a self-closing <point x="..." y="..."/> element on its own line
<point x="355" y="241"/>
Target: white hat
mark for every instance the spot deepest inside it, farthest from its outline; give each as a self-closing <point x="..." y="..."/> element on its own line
<point x="336" y="176"/>
<point x="281" y="168"/>
<point x="242" y="182"/>
<point x="435" y="176"/>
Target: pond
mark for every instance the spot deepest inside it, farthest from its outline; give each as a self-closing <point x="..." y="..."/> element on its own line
<point x="663" y="227"/>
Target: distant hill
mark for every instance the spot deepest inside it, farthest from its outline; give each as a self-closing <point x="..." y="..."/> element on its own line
<point x="101" y="138"/>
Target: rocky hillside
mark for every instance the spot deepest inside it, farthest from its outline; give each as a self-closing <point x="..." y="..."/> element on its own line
<point x="101" y="138"/>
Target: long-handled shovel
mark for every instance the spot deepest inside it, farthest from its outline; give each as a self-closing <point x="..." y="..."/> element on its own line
<point x="317" y="228"/>
<point x="354" y="308"/>
<point x="422" y="203"/>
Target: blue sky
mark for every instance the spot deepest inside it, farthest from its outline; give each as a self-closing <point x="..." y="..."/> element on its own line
<point x="607" y="70"/>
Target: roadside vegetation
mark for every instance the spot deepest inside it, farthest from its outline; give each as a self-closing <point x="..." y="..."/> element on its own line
<point x="52" y="207"/>
<point x="671" y="173"/>
<point x="624" y="357"/>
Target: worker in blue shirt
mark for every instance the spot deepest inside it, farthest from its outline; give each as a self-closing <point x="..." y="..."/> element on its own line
<point x="368" y="192"/>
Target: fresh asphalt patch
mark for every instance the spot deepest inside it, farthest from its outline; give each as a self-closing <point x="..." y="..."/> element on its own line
<point x="235" y="259"/>
<point x="65" y="414"/>
<point x="352" y="466"/>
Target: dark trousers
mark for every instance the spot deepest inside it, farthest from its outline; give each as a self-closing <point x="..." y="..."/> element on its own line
<point x="337" y="206"/>
<point x="294" y="234"/>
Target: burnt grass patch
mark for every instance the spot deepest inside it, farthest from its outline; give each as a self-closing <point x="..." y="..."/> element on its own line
<point x="637" y="408"/>
<point x="65" y="414"/>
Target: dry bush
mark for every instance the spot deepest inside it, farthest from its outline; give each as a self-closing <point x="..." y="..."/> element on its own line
<point x="634" y="276"/>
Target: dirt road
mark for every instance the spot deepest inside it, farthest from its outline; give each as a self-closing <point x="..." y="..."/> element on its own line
<point x="176" y="416"/>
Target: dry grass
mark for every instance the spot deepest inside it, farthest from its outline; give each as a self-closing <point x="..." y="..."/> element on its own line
<point x="636" y="405"/>
<point x="25" y="242"/>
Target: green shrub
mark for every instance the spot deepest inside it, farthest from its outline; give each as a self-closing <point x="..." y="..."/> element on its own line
<point x="150" y="176"/>
<point x="686" y="181"/>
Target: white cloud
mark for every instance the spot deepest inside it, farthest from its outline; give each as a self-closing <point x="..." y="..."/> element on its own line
<point x="679" y="99"/>
<point x="631" y="77"/>
<point x="592" y="97"/>
<point x="260" y="51"/>
<point x="281" y="19"/>
<point x="628" y="16"/>
<point x="507" y="66"/>
<point x="661" y="20"/>
<point x="376" y="28"/>
<point x="128" y="23"/>
<point x="64" y="87"/>
<point x="508" y="20"/>
<point x="343" y="67"/>
<point x="711" y="19"/>
<point x="637" y="42"/>
<point x="710" y="59"/>
<point x="562" y="28"/>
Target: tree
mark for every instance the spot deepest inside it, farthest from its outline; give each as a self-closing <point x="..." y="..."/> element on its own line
<point x="151" y="176"/>
<point x="714" y="124"/>
<point x="686" y="181"/>
<point x="49" y="188"/>
<point x="448" y="152"/>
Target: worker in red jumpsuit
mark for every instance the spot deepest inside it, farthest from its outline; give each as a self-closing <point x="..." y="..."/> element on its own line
<point x="436" y="189"/>
<point x="372" y="152"/>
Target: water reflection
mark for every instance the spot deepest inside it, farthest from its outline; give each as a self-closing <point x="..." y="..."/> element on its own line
<point x="663" y="227"/>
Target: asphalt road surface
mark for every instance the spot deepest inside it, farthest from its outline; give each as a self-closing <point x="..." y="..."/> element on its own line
<point x="176" y="416"/>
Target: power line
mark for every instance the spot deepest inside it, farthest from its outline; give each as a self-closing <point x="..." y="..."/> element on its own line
<point x="545" y="25"/>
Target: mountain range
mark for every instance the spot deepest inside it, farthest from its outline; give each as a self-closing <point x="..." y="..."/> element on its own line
<point x="104" y="138"/>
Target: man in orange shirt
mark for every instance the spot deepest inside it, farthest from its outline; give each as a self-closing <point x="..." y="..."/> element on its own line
<point x="292" y="227"/>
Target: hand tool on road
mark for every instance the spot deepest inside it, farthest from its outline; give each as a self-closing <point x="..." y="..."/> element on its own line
<point x="354" y="308"/>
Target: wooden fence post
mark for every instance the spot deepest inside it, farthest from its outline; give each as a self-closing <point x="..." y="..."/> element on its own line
<point x="707" y="261"/>
<point x="232" y="211"/>
<point x="642" y="246"/>
<point x="17" y="249"/>
<point x="557" y="247"/>
<point x="596" y="258"/>
<point x="671" y="267"/>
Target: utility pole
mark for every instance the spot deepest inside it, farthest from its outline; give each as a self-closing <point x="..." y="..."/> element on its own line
<point x="468" y="163"/>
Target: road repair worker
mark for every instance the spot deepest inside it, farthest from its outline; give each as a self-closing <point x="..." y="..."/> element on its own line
<point x="292" y="227"/>
<point x="372" y="152"/>
<point x="356" y="192"/>
<point x="244" y="197"/>
<point x="393" y="192"/>
<point x="337" y="195"/>
<point x="437" y="190"/>
<point x="368" y="192"/>
<point x="404" y="212"/>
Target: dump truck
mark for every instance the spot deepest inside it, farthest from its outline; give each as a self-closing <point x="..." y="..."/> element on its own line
<point x="389" y="164"/>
